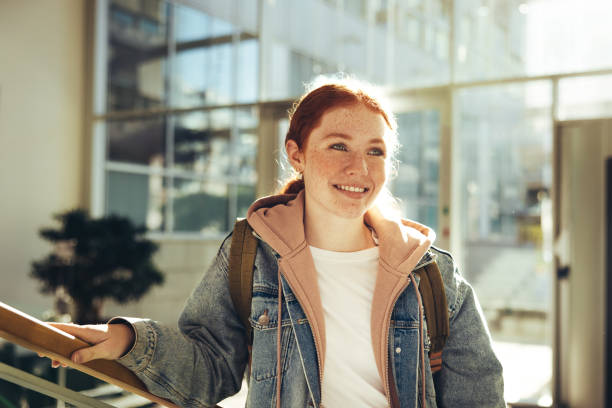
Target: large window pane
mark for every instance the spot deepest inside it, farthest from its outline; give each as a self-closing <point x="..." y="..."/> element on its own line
<point x="140" y="197"/>
<point x="203" y="68"/>
<point x="504" y="141"/>
<point x="585" y="97"/>
<point x="490" y="39"/>
<point x="416" y="184"/>
<point x="200" y="206"/>
<point x="534" y="37"/>
<point x="390" y="43"/>
<point x="137" y="54"/>
<point x="247" y="76"/>
<point x="245" y="195"/>
<point x="418" y="33"/>
<point x="568" y="35"/>
<point x="246" y="147"/>
<point x="337" y="41"/>
<point x="202" y="143"/>
<point x="137" y="141"/>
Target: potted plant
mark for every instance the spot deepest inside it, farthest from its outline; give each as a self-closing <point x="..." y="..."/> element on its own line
<point x="94" y="260"/>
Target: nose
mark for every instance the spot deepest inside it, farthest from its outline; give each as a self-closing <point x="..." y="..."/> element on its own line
<point x="356" y="165"/>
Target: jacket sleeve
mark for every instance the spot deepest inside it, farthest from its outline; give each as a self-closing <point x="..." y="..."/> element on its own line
<point x="471" y="374"/>
<point x="203" y="361"/>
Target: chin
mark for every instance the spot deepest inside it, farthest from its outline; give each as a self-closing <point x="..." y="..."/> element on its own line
<point x="351" y="212"/>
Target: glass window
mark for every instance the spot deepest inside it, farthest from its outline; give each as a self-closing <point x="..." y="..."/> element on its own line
<point x="489" y="40"/>
<point x="585" y="97"/>
<point x="505" y="145"/>
<point x="137" y="54"/>
<point x="247" y="76"/>
<point x="212" y="177"/>
<point x="203" y="75"/>
<point x="418" y="41"/>
<point x="137" y="141"/>
<point x="245" y="195"/>
<point x="526" y="37"/>
<point x="417" y="180"/>
<point x="200" y="206"/>
<point x="215" y="63"/>
<point x="202" y="144"/>
<point x="247" y="145"/>
<point x="406" y="45"/>
<point x="139" y="197"/>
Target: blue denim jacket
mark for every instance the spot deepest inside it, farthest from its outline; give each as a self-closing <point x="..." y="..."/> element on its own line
<point x="204" y="361"/>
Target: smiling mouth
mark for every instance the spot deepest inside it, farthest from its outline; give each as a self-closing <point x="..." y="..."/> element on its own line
<point x="352" y="189"/>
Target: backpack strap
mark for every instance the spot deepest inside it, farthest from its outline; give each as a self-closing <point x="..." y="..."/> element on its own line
<point x="433" y="297"/>
<point x="242" y="257"/>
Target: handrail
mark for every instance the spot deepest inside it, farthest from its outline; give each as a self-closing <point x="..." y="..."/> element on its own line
<point x="32" y="382"/>
<point x="40" y="337"/>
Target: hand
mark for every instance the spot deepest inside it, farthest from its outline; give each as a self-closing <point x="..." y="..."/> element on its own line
<point x="109" y="341"/>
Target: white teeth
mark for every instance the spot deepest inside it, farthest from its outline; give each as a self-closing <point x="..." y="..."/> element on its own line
<point x="352" y="189"/>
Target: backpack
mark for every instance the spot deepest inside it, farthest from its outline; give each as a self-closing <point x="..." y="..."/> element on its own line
<point x="243" y="249"/>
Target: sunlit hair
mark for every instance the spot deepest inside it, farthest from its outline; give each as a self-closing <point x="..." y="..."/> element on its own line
<point x="325" y="93"/>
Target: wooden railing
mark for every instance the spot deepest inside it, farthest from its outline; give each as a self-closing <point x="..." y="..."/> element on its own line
<point x="40" y="337"/>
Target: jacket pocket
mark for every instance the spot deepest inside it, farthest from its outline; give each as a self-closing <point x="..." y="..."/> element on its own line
<point x="264" y="321"/>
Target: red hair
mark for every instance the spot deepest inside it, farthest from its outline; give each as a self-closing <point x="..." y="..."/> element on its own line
<point x="306" y="114"/>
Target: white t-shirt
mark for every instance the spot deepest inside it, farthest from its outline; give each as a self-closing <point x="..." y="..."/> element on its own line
<point x="346" y="282"/>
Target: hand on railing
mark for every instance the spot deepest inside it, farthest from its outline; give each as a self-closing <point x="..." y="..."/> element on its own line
<point x="108" y="341"/>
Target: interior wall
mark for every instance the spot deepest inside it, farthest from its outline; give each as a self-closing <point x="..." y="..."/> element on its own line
<point x="42" y="83"/>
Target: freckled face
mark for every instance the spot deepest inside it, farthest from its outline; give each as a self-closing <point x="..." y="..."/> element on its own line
<point x="343" y="162"/>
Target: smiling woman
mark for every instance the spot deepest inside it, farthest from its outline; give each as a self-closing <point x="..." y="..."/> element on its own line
<point x="336" y="276"/>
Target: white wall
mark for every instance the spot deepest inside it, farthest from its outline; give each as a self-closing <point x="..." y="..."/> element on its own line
<point x="42" y="83"/>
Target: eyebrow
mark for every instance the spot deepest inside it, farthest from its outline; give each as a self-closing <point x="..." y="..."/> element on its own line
<point x="349" y="137"/>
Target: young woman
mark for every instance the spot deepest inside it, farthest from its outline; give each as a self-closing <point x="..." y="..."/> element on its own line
<point x="336" y="315"/>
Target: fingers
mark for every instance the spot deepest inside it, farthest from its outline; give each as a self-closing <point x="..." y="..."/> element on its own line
<point x="55" y="364"/>
<point x="89" y="333"/>
<point x="108" y="341"/>
<point x="118" y="341"/>
<point x="100" y="350"/>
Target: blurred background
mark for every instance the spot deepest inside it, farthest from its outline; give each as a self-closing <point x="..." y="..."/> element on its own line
<point x="172" y="113"/>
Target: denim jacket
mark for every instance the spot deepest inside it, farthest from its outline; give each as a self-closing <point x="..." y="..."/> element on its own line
<point x="204" y="361"/>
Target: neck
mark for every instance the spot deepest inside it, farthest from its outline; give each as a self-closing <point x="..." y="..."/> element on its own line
<point x="337" y="233"/>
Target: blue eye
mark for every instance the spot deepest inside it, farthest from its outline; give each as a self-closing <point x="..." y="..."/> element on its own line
<point x="376" y="152"/>
<point x="339" y="146"/>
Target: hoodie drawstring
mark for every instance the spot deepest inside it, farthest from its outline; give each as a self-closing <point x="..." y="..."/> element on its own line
<point x="279" y="375"/>
<point x="422" y="342"/>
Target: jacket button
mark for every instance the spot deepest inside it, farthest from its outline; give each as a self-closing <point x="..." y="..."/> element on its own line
<point x="398" y="350"/>
<point x="264" y="319"/>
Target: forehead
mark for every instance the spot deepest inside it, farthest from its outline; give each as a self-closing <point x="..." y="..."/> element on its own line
<point x="357" y="121"/>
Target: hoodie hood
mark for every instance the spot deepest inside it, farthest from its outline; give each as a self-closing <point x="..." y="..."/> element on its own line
<point x="279" y="221"/>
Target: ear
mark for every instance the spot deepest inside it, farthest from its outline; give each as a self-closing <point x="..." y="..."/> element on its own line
<point x="295" y="156"/>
